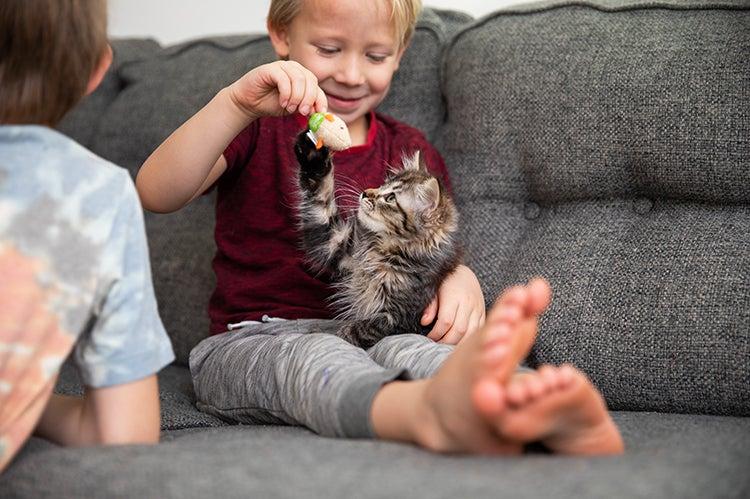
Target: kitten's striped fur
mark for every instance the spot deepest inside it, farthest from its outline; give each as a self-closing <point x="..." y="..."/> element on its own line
<point x="389" y="260"/>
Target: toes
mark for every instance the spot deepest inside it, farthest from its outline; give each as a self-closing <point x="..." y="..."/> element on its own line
<point x="528" y="387"/>
<point x="549" y="376"/>
<point x="494" y="357"/>
<point x="509" y="313"/>
<point x="497" y="333"/>
<point x="516" y="295"/>
<point x="567" y="375"/>
<point x="488" y="398"/>
<point x="539" y="296"/>
<point x="536" y="387"/>
<point x="516" y="393"/>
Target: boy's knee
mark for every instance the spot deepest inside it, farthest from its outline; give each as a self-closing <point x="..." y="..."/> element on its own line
<point x="400" y="341"/>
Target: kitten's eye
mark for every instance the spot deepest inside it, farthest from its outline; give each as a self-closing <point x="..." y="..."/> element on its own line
<point x="390" y="198"/>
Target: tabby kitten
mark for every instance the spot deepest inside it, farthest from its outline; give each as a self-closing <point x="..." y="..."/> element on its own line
<point x="387" y="261"/>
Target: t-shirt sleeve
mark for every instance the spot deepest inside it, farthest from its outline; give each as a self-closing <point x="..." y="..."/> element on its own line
<point x="238" y="151"/>
<point x="125" y="340"/>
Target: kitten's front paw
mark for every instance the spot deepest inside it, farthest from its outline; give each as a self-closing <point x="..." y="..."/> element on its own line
<point x="314" y="163"/>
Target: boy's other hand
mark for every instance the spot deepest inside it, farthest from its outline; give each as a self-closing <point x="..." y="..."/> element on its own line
<point x="278" y="89"/>
<point x="459" y="307"/>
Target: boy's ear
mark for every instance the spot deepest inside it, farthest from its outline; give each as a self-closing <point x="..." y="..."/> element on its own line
<point x="100" y="70"/>
<point x="279" y="40"/>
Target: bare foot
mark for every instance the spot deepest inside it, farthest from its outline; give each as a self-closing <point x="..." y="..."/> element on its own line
<point x="509" y="334"/>
<point x="457" y="409"/>
<point x="559" y="407"/>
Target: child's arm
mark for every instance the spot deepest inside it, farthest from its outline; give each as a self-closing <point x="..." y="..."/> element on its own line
<point x="191" y="159"/>
<point x="459" y="307"/>
<point x="119" y="414"/>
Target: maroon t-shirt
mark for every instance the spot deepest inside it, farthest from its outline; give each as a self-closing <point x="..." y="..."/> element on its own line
<point x="259" y="266"/>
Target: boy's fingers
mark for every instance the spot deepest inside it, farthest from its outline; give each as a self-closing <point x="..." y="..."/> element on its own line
<point x="457" y="331"/>
<point x="297" y="79"/>
<point x="281" y="80"/>
<point x="474" y="324"/>
<point x="429" y="313"/>
<point x="321" y="102"/>
<point x="445" y="319"/>
<point x="311" y="94"/>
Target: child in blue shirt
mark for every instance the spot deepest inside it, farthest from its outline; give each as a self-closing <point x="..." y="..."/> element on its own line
<point x="74" y="265"/>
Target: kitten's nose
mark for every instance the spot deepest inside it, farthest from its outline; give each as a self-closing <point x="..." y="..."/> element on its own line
<point x="370" y="193"/>
<point x="365" y="200"/>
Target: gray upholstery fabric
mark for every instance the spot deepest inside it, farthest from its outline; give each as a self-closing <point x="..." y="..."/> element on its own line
<point x="415" y="97"/>
<point x="670" y="456"/>
<point x="609" y="151"/>
<point x="83" y="122"/>
<point x="604" y="145"/>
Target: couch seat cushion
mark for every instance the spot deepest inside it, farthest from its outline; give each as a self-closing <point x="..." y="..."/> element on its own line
<point x="668" y="456"/>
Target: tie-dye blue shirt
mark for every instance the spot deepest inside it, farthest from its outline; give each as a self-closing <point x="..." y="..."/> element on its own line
<point x="79" y="218"/>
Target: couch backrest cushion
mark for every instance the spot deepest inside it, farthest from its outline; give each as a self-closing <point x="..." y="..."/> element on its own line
<point x="151" y="91"/>
<point x="607" y="147"/>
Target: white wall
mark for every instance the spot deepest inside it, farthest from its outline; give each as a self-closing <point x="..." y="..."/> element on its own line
<point x="170" y="21"/>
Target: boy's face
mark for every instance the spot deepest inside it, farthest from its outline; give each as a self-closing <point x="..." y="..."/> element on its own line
<point x="350" y="46"/>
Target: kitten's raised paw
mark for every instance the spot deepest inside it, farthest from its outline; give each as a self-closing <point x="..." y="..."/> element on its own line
<point x="314" y="162"/>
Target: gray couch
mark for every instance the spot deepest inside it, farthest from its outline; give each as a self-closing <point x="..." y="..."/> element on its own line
<point x="605" y="146"/>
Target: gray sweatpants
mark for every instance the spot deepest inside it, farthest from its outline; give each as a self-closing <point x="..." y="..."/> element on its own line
<point x="293" y="372"/>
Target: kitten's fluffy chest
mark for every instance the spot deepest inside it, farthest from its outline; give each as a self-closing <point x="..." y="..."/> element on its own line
<point x="373" y="282"/>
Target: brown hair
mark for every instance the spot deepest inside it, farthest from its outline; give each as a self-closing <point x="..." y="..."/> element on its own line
<point x="404" y="15"/>
<point x="48" y="52"/>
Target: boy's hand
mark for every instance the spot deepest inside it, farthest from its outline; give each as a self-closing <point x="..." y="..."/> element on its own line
<point x="277" y="89"/>
<point x="459" y="307"/>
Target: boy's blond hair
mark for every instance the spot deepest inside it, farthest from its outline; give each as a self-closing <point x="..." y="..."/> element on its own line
<point x="49" y="50"/>
<point x="404" y="15"/>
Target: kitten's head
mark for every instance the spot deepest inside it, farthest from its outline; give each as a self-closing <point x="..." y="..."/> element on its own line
<point x="411" y="204"/>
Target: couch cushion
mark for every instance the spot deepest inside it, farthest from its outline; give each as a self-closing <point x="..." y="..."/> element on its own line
<point x="606" y="146"/>
<point x="668" y="456"/>
<point x="159" y="92"/>
<point x="82" y="123"/>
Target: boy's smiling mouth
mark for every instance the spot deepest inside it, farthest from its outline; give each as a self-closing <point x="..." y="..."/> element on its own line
<point x="343" y="102"/>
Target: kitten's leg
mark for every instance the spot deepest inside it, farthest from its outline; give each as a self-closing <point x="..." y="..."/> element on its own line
<point x="365" y="333"/>
<point x="325" y="235"/>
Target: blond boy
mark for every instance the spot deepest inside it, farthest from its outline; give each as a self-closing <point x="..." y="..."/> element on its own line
<point x="340" y="56"/>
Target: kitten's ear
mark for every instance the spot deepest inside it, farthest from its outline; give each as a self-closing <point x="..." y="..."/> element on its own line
<point x="421" y="162"/>
<point x="429" y="194"/>
<point x="412" y="162"/>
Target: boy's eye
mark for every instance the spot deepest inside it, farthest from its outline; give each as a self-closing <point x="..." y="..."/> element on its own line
<point x="327" y="50"/>
<point x="377" y="57"/>
<point x="390" y="198"/>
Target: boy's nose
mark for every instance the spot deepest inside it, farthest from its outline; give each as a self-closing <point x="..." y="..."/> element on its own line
<point x="350" y="73"/>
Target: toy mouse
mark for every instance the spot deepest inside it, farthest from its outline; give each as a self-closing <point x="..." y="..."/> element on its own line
<point x="328" y="130"/>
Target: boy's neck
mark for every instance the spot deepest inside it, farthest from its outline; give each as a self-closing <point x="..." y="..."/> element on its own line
<point x="358" y="130"/>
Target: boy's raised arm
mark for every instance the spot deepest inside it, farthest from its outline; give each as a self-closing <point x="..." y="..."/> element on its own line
<point x="191" y="159"/>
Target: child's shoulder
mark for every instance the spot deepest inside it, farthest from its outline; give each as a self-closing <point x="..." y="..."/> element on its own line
<point x="59" y="180"/>
<point x="50" y="158"/>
